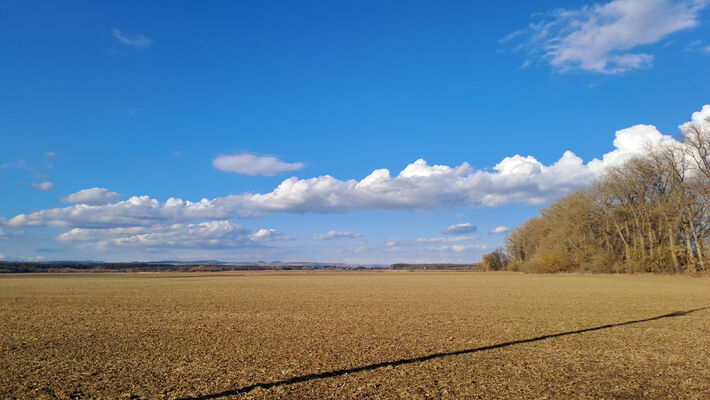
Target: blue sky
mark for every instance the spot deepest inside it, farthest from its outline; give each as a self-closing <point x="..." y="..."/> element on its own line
<point x="276" y="112"/>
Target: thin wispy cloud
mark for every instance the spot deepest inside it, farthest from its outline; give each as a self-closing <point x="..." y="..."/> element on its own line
<point x="44" y="186"/>
<point x="604" y="38"/>
<point x="253" y="164"/>
<point x="135" y="40"/>
<point x="697" y="46"/>
<point x="336" y="235"/>
<point x="457" y="229"/>
<point x="458" y="248"/>
<point x="446" y="239"/>
<point x="92" y="196"/>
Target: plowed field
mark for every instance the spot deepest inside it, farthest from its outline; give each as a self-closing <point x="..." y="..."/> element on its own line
<point x="354" y="335"/>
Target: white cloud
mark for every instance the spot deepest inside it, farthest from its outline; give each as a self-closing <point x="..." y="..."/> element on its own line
<point x="137" y="40"/>
<point x="136" y="211"/>
<point x="697" y="46"/>
<point x="92" y="196"/>
<point x="50" y="154"/>
<point x="515" y="179"/>
<point x="213" y="234"/>
<point x="251" y="164"/>
<point x="458" y="229"/>
<point x="43" y="185"/>
<point x="461" y="247"/>
<point x="2" y="256"/>
<point x="452" y="239"/>
<point x="419" y="186"/>
<point x="701" y="118"/>
<point x="629" y="143"/>
<point x="601" y="38"/>
<point x="266" y="235"/>
<point x="499" y="229"/>
<point x="336" y="235"/>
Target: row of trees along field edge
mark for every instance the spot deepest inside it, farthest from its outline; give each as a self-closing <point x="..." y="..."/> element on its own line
<point x="650" y="214"/>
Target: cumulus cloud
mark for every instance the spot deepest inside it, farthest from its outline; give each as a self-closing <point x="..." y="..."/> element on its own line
<point x="461" y="228"/>
<point x="136" y="211"/>
<point x="602" y="38"/>
<point x="699" y="118"/>
<point x="251" y="164"/>
<point x="516" y="179"/>
<point x="336" y="235"/>
<point x="266" y="235"/>
<point x="499" y="229"/>
<point x="137" y="40"/>
<point x="92" y="196"/>
<point x="212" y="234"/>
<point x="419" y="186"/>
<point x="46" y="185"/>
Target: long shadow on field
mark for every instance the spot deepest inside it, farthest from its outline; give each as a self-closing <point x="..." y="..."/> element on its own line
<point x="331" y="374"/>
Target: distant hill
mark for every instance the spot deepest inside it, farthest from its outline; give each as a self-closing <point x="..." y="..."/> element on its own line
<point x="205" y="266"/>
<point x="164" y="266"/>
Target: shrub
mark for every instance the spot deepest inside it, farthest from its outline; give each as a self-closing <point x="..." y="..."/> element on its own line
<point x="495" y="261"/>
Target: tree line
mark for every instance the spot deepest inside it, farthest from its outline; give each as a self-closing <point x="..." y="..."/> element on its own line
<point x="650" y="214"/>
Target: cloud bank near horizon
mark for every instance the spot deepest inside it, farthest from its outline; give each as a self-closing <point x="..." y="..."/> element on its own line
<point x="419" y="186"/>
